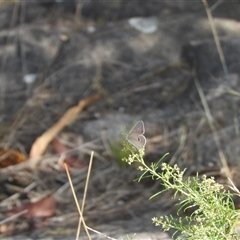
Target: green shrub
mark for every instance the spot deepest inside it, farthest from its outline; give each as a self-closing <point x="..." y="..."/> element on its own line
<point x="213" y="213"/>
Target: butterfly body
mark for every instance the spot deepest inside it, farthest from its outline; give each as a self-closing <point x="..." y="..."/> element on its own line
<point x="136" y="137"/>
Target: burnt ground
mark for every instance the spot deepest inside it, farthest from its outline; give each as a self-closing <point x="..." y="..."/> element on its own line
<point x="150" y="74"/>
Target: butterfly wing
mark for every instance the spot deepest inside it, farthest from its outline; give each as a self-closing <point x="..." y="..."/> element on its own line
<point x="138" y="128"/>
<point x="135" y="136"/>
<point x="142" y="140"/>
<point x="138" y="141"/>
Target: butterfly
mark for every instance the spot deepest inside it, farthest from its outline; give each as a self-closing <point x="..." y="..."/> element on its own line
<point x="135" y="136"/>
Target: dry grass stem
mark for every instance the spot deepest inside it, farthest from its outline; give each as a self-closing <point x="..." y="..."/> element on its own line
<point x="76" y="201"/>
<point x="213" y="129"/>
<point x="100" y="233"/>
<point x="216" y="38"/>
<point x="13" y="217"/>
<point x="85" y="193"/>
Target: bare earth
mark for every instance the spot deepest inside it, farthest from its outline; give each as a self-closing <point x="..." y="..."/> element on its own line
<point x="149" y="68"/>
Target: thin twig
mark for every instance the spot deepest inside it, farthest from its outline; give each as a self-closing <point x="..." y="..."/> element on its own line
<point x="85" y="193"/>
<point x="13" y="217"/>
<point x="213" y="129"/>
<point x="222" y="59"/>
<point x="233" y="187"/>
<point x="76" y="201"/>
<point x="100" y="233"/>
<point x="216" y="38"/>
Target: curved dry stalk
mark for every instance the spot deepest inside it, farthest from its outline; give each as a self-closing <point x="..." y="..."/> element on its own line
<point x="71" y="114"/>
<point x="212" y="127"/>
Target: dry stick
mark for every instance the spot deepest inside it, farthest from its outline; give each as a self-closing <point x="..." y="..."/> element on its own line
<point x="69" y="116"/>
<point x="100" y="233"/>
<point x="233" y="187"/>
<point x="76" y="201"/>
<point x="232" y="92"/>
<point x="221" y="56"/>
<point x="22" y="44"/>
<point x="78" y="16"/>
<point x="5" y="54"/>
<point x="215" y="5"/>
<point x="213" y="129"/>
<point x="225" y="69"/>
<point x="17" y="194"/>
<point x="84" y="198"/>
<point x="13" y="217"/>
<point x="85" y="193"/>
<point x="216" y="38"/>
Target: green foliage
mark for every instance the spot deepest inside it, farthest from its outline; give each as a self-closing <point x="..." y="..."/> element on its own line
<point x="213" y="213"/>
<point x="118" y="154"/>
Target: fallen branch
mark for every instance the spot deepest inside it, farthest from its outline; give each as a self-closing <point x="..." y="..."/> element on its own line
<point x="41" y="143"/>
